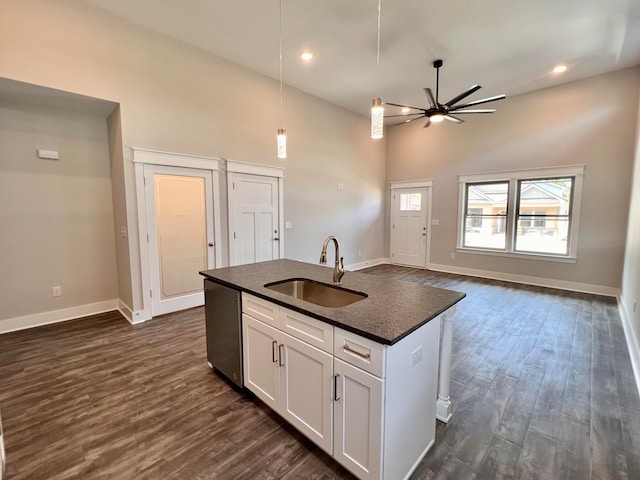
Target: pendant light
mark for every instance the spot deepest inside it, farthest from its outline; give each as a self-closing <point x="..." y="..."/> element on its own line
<point x="377" y="108"/>
<point x="282" y="133"/>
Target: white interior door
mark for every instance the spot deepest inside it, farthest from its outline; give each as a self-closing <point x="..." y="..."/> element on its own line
<point x="180" y="221"/>
<point x="254" y="217"/>
<point x="409" y="234"/>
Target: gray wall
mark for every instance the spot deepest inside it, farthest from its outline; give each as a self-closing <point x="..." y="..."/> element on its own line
<point x="176" y="98"/>
<point x="630" y="298"/>
<point x="56" y="216"/>
<point x="591" y="122"/>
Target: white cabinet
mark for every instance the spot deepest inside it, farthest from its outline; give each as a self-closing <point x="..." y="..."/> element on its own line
<point x="260" y="355"/>
<point x="292" y="377"/>
<point x="358" y="416"/>
<point x="371" y="406"/>
<point x="306" y="390"/>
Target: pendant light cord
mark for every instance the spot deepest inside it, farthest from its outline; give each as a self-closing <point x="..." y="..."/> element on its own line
<point x="378" y="57"/>
<point x="281" y="106"/>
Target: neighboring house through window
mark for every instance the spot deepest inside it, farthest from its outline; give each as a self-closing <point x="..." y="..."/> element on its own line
<point x="523" y="212"/>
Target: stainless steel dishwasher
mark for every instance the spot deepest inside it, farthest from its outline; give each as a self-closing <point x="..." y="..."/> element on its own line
<point x="223" y="316"/>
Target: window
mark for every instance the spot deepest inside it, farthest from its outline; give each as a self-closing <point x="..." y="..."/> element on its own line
<point x="410" y="202"/>
<point x="485" y="211"/>
<point x="528" y="212"/>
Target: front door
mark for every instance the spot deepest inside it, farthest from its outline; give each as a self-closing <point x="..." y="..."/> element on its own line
<point x="254" y="218"/>
<point x="180" y="235"/>
<point x="409" y="227"/>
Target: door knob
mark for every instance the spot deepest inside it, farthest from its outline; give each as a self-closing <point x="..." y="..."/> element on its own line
<point x="211" y="244"/>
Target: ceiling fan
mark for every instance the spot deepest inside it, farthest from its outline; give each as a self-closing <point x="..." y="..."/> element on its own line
<point x="436" y="112"/>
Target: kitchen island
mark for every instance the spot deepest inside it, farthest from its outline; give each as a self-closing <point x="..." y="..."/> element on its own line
<point x="364" y="381"/>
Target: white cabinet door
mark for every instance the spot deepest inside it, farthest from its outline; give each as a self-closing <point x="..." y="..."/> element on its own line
<point x="306" y="388"/>
<point x="260" y="354"/>
<point x="358" y="420"/>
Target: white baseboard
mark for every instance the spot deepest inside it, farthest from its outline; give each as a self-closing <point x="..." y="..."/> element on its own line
<point x="632" y="340"/>
<point x="55" y="316"/>
<point x="126" y="311"/>
<point x="134" y="318"/>
<point x="528" y="280"/>
<point x="367" y="263"/>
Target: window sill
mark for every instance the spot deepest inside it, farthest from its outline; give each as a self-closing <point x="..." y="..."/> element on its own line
<point x="522" y="256"/>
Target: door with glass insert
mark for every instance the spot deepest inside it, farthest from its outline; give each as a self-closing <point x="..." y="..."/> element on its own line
<point x="179" y="205"/>
<point x="409" y="235"/>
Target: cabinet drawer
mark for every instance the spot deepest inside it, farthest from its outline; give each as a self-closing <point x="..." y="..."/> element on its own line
<point x="261" y="309"/>
<point x="314" y="332"/>
<point x="359" y="351"/>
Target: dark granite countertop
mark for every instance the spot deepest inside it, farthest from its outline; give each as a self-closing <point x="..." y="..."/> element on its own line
<point x="392" y="310"/>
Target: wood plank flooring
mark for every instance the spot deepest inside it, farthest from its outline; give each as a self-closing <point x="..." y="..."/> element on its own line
<point x="542" y="389"/>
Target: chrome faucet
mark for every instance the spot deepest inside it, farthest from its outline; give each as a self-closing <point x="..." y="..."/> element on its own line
<point x="338" y="269"/>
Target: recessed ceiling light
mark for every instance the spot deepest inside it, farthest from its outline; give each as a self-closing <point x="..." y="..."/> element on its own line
<point x="559" y="69"/>
<point x="406" y="109"/>
<point x="306" y="55"/>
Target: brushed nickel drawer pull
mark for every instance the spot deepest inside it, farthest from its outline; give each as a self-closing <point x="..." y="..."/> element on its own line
<point x="281" y="354"/>
<point x="336" y="398"/>
<point x="348" y="348"/>
<point x="274" y="344"/>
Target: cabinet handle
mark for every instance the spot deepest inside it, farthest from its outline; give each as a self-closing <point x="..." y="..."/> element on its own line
<point x="355" y="352"/>
<point x="335" y="387"/>
<point x="280" y="354"/>
<point x="273" y="351"/>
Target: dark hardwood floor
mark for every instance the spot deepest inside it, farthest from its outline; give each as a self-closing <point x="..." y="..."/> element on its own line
<point x="542" y="389"/>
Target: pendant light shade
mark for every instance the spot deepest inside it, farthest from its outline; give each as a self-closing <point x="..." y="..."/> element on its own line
<point x="282" y="143"/>
<point x="377" y="117"/>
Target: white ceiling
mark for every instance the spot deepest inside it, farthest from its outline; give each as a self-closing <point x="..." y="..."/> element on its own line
<point x="507" y="46"/>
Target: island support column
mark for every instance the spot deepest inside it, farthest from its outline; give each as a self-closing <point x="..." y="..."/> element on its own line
<point x="443" y="406"/>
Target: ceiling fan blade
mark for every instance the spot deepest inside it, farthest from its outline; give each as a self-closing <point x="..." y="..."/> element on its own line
<point x="478" y="102"/>
<point x="409" y="120"/>
<point x="459" y="112"/>
<point x="404" y="106"/>
<point x="428" y="123"/>
<point x="453" y="119"/>
<point x="404" y="115"/>
<point x="432" y="100"/>
<point x="475" y="88"/>
<point x="412" y="119"/>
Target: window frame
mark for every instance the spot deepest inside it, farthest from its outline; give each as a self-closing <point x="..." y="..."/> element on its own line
<point x="514" y="178"/>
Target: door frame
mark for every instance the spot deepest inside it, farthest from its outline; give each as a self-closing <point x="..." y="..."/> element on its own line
<point x="235" y="167"/>
<point x="395" y="187"/>
<point x="141" y="157"/>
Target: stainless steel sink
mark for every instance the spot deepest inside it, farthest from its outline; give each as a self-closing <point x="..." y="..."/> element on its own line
<point x="319" y="293"/>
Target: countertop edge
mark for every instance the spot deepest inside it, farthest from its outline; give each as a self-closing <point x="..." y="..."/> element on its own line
<point x="330" y="321"/>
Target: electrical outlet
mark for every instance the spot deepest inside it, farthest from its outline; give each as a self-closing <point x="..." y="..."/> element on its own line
<point x="341" y="186"/>
<point x="288" y="225"/>
<point x="416" y="356"/>
<point x="453" y="255"/>
<point x="56" y="291"/>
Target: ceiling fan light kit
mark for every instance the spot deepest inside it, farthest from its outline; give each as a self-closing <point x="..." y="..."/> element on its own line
<point x="437" y="112"/>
